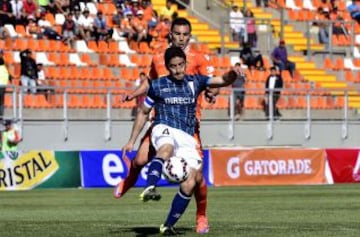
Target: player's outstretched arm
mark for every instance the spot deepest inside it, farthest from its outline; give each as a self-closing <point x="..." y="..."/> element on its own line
<point x="138" y="125"/>
<point x="140" y="90"/>
<point x="225" y="80"/>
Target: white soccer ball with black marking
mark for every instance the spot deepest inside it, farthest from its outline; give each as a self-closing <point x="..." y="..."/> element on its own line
<point x="176" y="169"/>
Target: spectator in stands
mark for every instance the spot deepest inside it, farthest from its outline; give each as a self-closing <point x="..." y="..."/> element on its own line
<point x="163" y="28"/>
<point x="239" y="95"/>
<point x="5" y="12"/>
<point x="74" y="5"/>
<point x="47" y="29"/>
<point x="77" y="18"/>
<point x="4" y="81"/>
<point x="18" y="15"/>
<point x="30" y="7"/>
<point x="354" y="10"/>
<point x="158" y="44"/>
<point x="251" y="28"/>
<point x="237" y="24"/>
<point x="147" y="9"/>
<point x="10" y="137"/>
<point x="65" y="6"/>
<point x="338" y="26"/>
<point x="28" y="71"/>
<point x="69" y="30"/>
<point x="140" y="26"/>
<point x="249" y="58"/>
<point x="154" y="20"/>
<point x="326" y="6"/>
<point x="4" y="33"/>
<point x="280" y="59"/>
<point x="87" y="24"/>
<point x="101" y="30"/>
<point x="323" y="34"/>
<point x="121" y="3"/>
<point x="135" y="6"/>
<point x="43" y="86"/>
<point x="54" y="7"/>
<point x="118" y="16"/>
<point x="273" y="86"/>
<point x="169" y="10"/>
<point x="126" y="26"/>
<point x="265" y="2"/>
<point x="32" y="28"/>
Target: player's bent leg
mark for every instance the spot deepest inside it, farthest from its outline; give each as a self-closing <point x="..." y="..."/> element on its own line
<point x="134" y="169"/>
<point x="202" y="224"/>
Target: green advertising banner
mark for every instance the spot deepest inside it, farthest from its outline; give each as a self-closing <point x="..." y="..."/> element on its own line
<point x="39" y="169"/>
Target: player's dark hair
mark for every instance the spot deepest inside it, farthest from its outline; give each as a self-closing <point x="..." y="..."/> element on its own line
<point x="173" y="52"/>
<point x="180" y="21"/>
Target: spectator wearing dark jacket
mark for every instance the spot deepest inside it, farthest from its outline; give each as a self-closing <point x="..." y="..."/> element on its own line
<point x="273" y="86"/>
<point x="28" y="71"/>
<point x="250" y="59"/>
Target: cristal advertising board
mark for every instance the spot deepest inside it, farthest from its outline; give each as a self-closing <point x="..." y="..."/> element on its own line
<point x="39" y="169"/>
<point x="107" y="168"/>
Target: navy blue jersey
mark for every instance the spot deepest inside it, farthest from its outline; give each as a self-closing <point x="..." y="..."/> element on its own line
<point x="175" y="100"/>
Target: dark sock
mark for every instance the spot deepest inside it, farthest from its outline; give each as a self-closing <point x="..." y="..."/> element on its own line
<point x="155" y="171"/>
<point x="178" y="207"/>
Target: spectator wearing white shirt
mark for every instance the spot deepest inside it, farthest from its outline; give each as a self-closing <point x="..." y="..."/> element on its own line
<point x="237" y="24"/>
<point x="43" y="86"/>
<point x="47" y="28"/>
<point x="19" y="17"/>
<point x="273" y="85"/>
<point x="87" y="23"/>
<point x="79" y="29"/>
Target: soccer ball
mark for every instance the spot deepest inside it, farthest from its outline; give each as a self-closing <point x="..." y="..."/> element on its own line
<point x="176" y="169"/>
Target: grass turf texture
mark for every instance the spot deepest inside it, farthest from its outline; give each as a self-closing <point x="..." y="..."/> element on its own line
<point x="317" y="211"/>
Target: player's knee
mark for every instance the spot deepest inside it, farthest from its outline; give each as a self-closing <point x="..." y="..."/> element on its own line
<point x="189" y="184"/>
<point x="165" y="151"/>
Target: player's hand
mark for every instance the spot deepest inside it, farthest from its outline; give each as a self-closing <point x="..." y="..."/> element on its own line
<point x="126" y="97"/>
<point x="210" y="97"/>
<point x="129" y="147"/>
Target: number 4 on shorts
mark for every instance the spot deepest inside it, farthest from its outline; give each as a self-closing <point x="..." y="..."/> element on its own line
<point x="166" y="131"/>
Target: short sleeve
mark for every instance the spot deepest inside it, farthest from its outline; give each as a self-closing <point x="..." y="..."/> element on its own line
<point x="202" y="82"/>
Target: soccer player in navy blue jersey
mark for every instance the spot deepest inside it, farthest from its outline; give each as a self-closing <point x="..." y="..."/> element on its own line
<point x="174" y="99"/>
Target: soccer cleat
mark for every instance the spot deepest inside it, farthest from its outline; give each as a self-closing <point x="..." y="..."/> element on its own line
<point x="150" y="193"/>
<point x="168" y="230"/>
<point x="118" y="189"/>
<point x="202" y="225"/>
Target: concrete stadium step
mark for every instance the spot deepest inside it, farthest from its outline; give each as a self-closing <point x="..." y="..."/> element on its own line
<point x="300" y="47"/>
<point x="305" y="65"/>
<point x="206" y="32"/>
<point x="296" y="40"/>
<point x="321" y="78"/>
<point x="240" y="3"/>
<point x="229" y="45"/>
<point x="334" y="85"/>
<point x="309" y="72"/>
<point x="212" y="38"/>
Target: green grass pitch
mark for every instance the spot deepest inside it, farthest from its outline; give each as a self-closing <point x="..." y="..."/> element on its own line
<point x="319" y="211"/>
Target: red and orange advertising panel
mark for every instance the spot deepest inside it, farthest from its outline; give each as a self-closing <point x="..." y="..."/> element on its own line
<point x="344" y="165"/>
<point x="276" y="166"/>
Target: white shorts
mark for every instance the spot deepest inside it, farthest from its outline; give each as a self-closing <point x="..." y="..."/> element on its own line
<point x="184" y="144"/>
